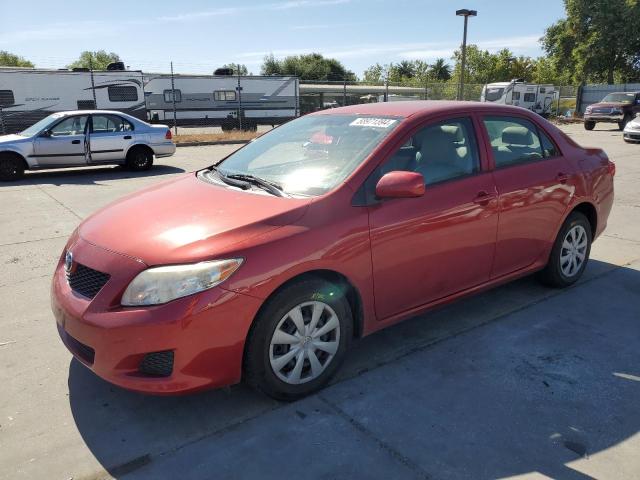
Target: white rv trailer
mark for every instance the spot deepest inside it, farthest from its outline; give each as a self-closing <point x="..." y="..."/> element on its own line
<point x="537" y="98"/>
<point x="226" y="101"/>
<point x="27" y="95"/>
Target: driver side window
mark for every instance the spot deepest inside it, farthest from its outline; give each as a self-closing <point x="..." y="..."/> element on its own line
<point x="70" y="126"/>
<point x="440" y="152"/>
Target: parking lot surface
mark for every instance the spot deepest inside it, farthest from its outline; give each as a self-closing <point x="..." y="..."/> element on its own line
<point x="521" y="381"/>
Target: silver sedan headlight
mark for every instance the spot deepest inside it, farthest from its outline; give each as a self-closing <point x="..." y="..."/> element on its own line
<point x="162" y="284"/>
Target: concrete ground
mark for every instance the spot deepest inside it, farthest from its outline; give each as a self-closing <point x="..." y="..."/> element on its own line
<point x="518" y="382"/>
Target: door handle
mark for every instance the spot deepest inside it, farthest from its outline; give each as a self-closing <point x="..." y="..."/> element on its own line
<point x="562" y="177"/>
<point x="483" y="198"/>
<point x="75" y="142"/>
<point x="127" y="137"/>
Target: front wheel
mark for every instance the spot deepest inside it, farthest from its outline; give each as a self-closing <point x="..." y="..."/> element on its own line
<point x="11" y="167"/>
<point x="299" y="340"/>
<point x="589" y="125"/>
<point x="570" y="253"/>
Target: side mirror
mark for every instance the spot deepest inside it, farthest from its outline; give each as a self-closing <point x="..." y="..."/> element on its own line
<point x="46" y="133"/>
<point x="400" y="184"/>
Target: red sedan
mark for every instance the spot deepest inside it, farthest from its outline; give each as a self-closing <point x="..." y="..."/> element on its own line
<point x="265" y="266"/>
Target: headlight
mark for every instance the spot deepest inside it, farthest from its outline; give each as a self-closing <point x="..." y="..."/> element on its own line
<point x="588" y="110"/>
<point x="616" y="111"/>
<point x="163" y="284"/>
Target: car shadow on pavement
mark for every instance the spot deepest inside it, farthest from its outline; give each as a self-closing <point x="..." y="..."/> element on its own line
<point x="550" y="378"/>
<point x="88" y="175"/>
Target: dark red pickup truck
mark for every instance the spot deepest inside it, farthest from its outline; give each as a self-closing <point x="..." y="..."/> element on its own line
<point x="617" y="108"/>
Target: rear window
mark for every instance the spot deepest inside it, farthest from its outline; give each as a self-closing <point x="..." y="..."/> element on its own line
<point x="122" y="93"/>
<point x="6" y="98"/>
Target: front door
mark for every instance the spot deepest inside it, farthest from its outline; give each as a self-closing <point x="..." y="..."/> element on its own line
<point x="534" y="187"/>
<point x="109" y="138"/>
<point x="430" y="247"/>
<point x="64" y="144"/>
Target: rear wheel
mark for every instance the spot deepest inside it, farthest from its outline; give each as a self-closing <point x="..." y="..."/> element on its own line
<point x="139" y="159"/>
<point x="570" y="252"/>
<point x="623" y="123"/>
<point x="589" y="125"/>
<point x="299" y="340"/>
<point x="11" y="167"/>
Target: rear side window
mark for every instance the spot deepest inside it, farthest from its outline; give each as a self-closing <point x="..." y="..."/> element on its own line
<point x="549" y="148"/>
<point x="110" y="124"/>
<point x="513" y="140"/>
<point x="122" y="93"/>
<point x="6" y="98"/>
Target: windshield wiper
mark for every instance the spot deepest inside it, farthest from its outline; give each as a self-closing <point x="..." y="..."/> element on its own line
<point x="271" y="187"/>
<point x="229" y="181"/>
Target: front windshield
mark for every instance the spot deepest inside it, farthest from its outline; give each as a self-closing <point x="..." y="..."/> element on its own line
<point x="619" y="97"/>
<point x="310" y="155"/>
<point x="493" y="94"/>
<point x="36" y="127"/>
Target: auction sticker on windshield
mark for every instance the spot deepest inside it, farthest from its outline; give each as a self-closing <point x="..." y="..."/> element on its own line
<point x="373" y="122"/>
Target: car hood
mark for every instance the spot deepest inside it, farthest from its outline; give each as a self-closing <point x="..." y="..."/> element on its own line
<point x="187" y="220"/>
<point x="13" y="139"/>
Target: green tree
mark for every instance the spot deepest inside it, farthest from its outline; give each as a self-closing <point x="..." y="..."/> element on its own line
<point x="10" y="60"/>
<point x="312" y="66"/>
<point x="597" y="42"/>
<point x="375" y="74"/>
<point x="96" y="60"/>
<point x="238" y="68"/>
<point x="440" y="70"/>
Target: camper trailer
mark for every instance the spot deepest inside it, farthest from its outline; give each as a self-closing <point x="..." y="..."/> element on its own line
<point x="28" y="95"/>
<point x="221" y="100"/>
<point x="537" y="98"/>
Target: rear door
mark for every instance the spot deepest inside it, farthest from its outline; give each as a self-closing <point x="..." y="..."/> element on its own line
<point x="534" y="187"/>
<point x="109" y="138"/>
<point x="66" y="145"/>
<point x="430" y="247"/>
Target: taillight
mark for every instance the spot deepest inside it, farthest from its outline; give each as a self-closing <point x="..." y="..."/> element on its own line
<point x="168" y="135"/>
<point x="612" y="168"/>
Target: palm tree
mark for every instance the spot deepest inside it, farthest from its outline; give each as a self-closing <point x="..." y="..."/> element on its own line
<point x="441" y="70"/>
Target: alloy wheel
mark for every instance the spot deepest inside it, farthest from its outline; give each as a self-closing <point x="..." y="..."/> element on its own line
<point x="304" y="342"/>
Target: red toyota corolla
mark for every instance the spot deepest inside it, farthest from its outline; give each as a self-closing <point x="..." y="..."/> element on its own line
<point x="265" y="266"/>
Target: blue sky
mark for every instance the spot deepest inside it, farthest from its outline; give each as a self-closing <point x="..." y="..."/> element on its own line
<point x="200" y="36"/>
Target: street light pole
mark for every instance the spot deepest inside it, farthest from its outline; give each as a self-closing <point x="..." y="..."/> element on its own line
<point x="466" y="14"/>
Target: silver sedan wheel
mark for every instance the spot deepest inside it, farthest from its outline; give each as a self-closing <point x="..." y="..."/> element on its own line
<point x="574" y="251"/>
<point x="304" y="342"/>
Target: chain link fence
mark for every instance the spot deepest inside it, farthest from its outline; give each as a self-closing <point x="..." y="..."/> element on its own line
<point x="206" y="104"/>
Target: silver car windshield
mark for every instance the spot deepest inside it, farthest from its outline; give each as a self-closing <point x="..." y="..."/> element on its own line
<point x="311" y="155"/>
<point x="37" y="127"/>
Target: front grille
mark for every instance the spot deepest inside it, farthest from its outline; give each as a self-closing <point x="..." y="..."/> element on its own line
<point x="157" y="364"/>
<point x="85" y="352"/>
<point x="86" y="281"/>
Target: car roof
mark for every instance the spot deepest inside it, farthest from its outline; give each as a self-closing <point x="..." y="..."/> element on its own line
<point x="86" y="112"/>
<point x="420" y="107"/>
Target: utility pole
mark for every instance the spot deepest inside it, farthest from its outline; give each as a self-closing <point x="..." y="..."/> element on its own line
<point x="466" y="14"/>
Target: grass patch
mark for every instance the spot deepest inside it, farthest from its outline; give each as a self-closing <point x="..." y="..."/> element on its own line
<point x="235" y="135"/>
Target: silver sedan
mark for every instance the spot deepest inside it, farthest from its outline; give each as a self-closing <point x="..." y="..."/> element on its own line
<point x="83" y="138"/>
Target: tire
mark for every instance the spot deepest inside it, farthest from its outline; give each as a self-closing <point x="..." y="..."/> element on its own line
<point x="139" y="159"/>
<point x="11" y="167"/>
<point x="250" y="127"/>
<point x="623" y="123"/>
<point x="574" y="236"/>
<point x="589" y="125"/>
<point x="263" y="361"/>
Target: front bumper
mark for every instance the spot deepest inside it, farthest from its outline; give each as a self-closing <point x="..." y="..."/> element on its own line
<point x="631" y="135"/>
<point x="595" y="117"/>
<point x="206" y="332"/>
